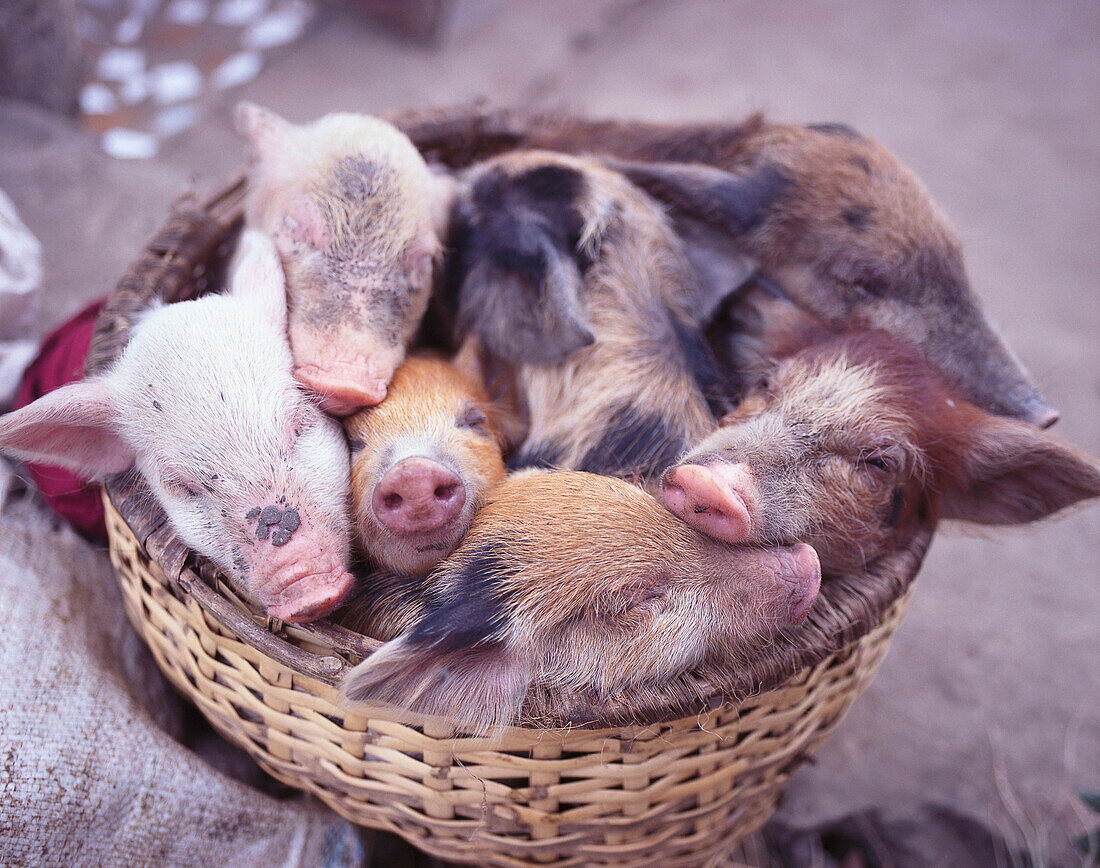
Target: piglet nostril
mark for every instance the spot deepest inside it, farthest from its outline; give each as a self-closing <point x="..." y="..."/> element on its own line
<point x="417" y="495"/>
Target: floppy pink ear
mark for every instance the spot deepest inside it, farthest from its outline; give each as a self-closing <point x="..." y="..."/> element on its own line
<point x="480" y="687"/>
<point x="1013" y="473"/>
<point x="420" y="259"/>
<point x="258" y="275"/>
<point x="73" y="427"/>
<point x="266" y="131"/>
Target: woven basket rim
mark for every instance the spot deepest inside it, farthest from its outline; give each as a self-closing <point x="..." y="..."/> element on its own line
<point x="181" y="262"/>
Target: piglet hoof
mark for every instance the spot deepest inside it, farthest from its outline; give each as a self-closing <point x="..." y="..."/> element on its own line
<point x="801" y="569"/>
<point x="713" y="499"/>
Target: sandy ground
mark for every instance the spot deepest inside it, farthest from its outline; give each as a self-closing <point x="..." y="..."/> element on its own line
<point x="988" y="705"/>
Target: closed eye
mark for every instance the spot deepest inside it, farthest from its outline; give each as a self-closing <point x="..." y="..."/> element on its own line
<point x="178" y="487"/>
<point x="473" y="417"/>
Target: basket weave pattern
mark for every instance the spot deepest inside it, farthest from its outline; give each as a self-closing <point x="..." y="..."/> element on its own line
<point x="678" y="791"/>
<point x="676" y="780"/>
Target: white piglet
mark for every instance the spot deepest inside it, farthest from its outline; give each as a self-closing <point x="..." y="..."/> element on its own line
<point x="203" y="404"/>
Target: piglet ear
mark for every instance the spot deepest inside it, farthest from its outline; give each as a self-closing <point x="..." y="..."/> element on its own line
<point x="1014" y="473"/>
<point x="257" y="275"/>
<point x="529" y="310"/>
<point x="267" y="133"/>
<point x="480" y="687"/>
<point x="445" y="192"/>
<point x="73" y="427"/>
<point x="420" y="259"/>
<point x="710" y="209"/>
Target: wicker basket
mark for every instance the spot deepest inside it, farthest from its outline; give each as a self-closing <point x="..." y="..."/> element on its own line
<point x="677" y="782"/>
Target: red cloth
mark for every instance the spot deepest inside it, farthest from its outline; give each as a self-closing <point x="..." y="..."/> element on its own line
<point x="59" y="362"/>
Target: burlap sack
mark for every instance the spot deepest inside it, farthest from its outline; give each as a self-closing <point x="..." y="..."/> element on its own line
<point x="91" y="771"/>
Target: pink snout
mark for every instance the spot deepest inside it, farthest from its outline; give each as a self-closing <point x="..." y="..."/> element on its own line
<point x="418" y="495"/>
<point x="343" y="391"/>
<point x="310" y="597"/>
<point x="800" y="569"/>
<point x="717" y="499"/>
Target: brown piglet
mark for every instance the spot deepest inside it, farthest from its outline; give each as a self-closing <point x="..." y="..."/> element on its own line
<point x="423" y="462"/>
<point x="853" y="441"/>
<point x="575" y="582"/>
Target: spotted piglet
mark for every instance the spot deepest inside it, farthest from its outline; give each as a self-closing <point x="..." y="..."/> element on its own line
<point x="578" y="583"/>
<point x="423" y="462"/>
<point x="355" y="214"/>
<point x="572" y="277"/>
<point x="202" y="403"/>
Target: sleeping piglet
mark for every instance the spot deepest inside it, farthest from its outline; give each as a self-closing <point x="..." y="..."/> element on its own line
<point x="423" y="462"/>
<point x="577" y="582"/>
<point x="831" y="217"/>
<point x="853" y="441"/>
<point x="202" y="403"/>
<point x="569" y="274"/>
<point x="354" y="212"/>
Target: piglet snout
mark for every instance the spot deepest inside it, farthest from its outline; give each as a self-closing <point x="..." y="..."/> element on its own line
<point x="716" y="499"/>
<point x="1039" y="413"/>
<point x="311" y="596"/>
<point x="417" y="495"/>
<point x="341" y="393"/>
<point x="800" y="569"/>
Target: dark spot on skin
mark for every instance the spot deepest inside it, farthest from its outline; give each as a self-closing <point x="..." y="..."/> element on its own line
<point x="280" y="524"/>
<point x="252" y="513"/>
<point x="541" y="204"/>
<point x="355" y="179"/>
<point x="270" y="515"/>
<point x="699" y="509"/>
<point x="208" y="487"/>
<point x="634" y="442"/>
<point x="156" y="405"/>
<point x="541" y="456"/>
<point x="858" y="218"/>
<point x="516" y="275"/>
<point x="836" y="129"/>
<point x="473" y="610"/>
<point x="290" y="520"/>
<point x="282" y="499"/>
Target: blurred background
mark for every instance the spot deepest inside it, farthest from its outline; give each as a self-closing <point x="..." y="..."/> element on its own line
<point x="985" y="718"/>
